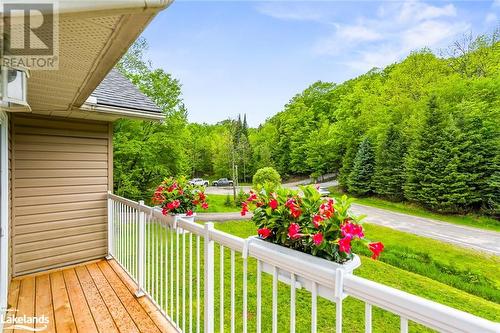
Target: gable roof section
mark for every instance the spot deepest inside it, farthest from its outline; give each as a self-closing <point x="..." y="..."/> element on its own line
<point x="116" y="94"/>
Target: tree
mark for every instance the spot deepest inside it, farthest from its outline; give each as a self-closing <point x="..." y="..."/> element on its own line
<point x="433" y="164"/>
<point x="266" y="177"/>
<point x="389" y="176"/>
<point x="360" y="178"/>
<point x="145" y="152"/>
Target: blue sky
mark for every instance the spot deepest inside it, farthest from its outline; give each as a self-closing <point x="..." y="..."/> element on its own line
<point x="252" y="57"/>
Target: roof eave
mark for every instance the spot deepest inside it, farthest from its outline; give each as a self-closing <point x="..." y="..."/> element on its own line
<point x="122" y="112"/>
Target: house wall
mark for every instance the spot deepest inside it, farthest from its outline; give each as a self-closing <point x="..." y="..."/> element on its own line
<point x="61" y="172"/>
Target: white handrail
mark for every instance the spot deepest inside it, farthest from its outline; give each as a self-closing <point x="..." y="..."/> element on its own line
<point x="409" y="307"/>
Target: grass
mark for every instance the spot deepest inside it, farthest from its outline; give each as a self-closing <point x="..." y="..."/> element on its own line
<point x="431" y="278"/>
<point x="483" y="222"/>
<point x="392" y="270"/>
<point x="216" y="204"/>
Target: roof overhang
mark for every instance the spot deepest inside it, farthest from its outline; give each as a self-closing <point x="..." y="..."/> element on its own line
<point x="112" y="112"/>
<point x="93" y="35"/>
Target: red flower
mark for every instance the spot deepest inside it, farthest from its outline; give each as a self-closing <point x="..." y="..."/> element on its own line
<point x="345" y="244"/>
<point x="295" y="211"/>
<point x="202" y="196"/>
<point x="252" y="196"/>
<point x="290" y="202"/>
<point x="244" y="208"/>
<point x="273" y="203"/>
<point x="327" y="209"/>
<point x="293" y="231"/>
<point x="317" y="219"/>
<point x="352" y="230"/>
<point x="189" y="213"/>
<point x="204" y="205"/>
<point x="317" y="239"/>
<point x="164" y="211"/>
<point x="376" y="248"/>
<point x="264" y="232"/>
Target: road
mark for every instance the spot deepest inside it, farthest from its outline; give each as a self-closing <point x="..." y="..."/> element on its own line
<point x="468" y="237"/>
<point x="229" y="190"/>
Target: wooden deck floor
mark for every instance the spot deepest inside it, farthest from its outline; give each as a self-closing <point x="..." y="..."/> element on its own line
<point x="94" y="297"/>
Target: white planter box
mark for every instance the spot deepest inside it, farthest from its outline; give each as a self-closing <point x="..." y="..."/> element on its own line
<point x="302" y="264"/>
<point x="173" y="219"/>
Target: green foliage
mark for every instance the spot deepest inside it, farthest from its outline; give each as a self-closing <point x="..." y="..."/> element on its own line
<point x="266" y="176"/>
<point x="389" y="174"/>
<point x="228" y="202"/>
<point x="146" y="152"/>
<point x="360" y="178"/>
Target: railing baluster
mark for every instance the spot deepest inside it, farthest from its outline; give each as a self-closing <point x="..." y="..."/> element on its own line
<point x="190" y="282"/>
<point x="209" y="280"/>
<point x="142" y="253"/>
<point x="183" y="280"/>
<point x="198" y="277"/>
<point x="177" y="278"/>
<point x="245" y="267"/>
<point x="221" y="288"/>
<point x="259" y="296"/>
<point x="314" y="310"/>
<point x="167" y="275"/>
<point x="172" y="231"/>
<point x="404" y="325"/>
<point x="292" y="303"/>
<point x="232" y="290"/>
<point x="275" y="300"/>
<point x="162" y="271"/>
<point x="368" y="318"/>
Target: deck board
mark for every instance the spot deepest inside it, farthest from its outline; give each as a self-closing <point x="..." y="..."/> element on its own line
<point x="94" y="297"/>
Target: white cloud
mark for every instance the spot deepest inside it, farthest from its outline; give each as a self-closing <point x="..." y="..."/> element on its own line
<point x="419" y="11"/>
<point x="496" y="3"/>
<point x="358" y="33"/>
<point x="491" y="18"/>
<point x="390" y="35"/>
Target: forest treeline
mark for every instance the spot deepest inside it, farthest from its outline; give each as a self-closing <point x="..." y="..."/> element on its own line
<point x="425" y="129"/>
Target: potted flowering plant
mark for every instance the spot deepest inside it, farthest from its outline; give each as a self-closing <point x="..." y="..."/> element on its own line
<point x="178" y="198"/>
<point x="323" y="229"/>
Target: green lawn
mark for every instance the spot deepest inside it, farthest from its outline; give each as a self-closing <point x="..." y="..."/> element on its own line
<point x="477" y="221"/>
<point x="216" y="203"/>
<point x="463" y="279"/>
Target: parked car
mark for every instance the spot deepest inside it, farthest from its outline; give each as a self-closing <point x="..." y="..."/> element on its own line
<point x="223" y="182"/>
<point x="199" y="182"/>
<point x="323" y="191"/>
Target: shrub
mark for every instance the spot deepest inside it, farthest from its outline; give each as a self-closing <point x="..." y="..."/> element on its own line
<point x="307" y="222"/>
<point x="177" y="196"/>
<point x="228" y="202"/>
<point x="267" y="176"/>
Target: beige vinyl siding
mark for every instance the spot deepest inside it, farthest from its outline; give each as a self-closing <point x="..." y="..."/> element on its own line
<point x="61" y="173"/>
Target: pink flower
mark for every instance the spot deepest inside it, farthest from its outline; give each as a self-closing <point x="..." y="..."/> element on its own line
<point x="376" y="248"/>
<point x="189" y="213"/>
<point x="264" y="232"/>
<point x="317" y="239"/>
<point x="273" y="203"/>
<point x="345" y="244"/>
<point x="204" y="205"/>
<point x="317" y="219"/>
<point x="352" y="230"/>
<point x="293" y="231"/>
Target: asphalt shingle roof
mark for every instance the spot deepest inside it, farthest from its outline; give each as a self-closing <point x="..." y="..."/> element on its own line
<point x="116" y="90"/>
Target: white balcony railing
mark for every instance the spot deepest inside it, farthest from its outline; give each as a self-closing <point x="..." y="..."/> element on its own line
<point x="175" y="265"/>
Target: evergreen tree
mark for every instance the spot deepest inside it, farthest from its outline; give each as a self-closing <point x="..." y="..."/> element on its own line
<point x="433" y="164"/>
<point x="389" y="174"/>
<point x="360" y="178"/>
